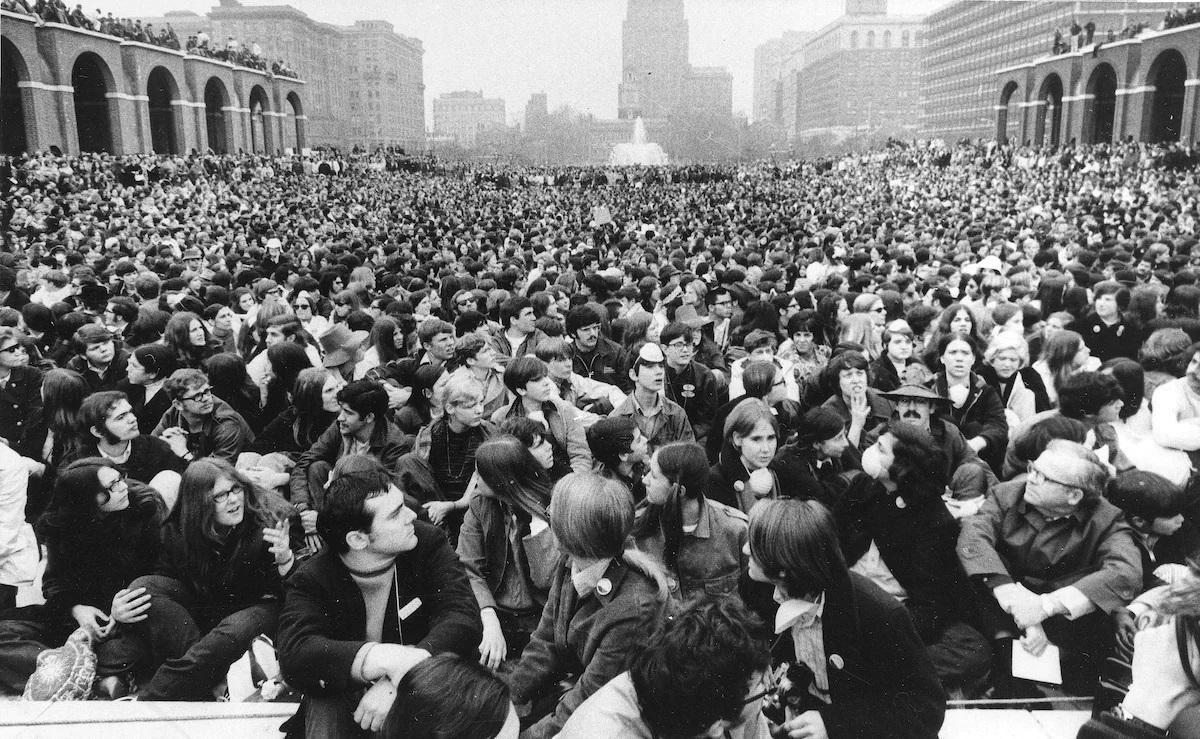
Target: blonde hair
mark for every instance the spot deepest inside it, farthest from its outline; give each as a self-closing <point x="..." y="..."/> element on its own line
<point x="1007" y="341"/>
<point x="455" y="386"/>
<point x="592" y="517"/>
<point x="858" y="328"/>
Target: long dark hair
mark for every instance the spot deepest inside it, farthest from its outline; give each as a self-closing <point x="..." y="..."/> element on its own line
<point x="510" y="470"/>
<point x="197" y="520"/>
<point x="685" y="465"/>
<point x="177" y="335"/>
<point x="919" y="466"/>
<point x="287" y="360"/>
<point x="73" y="509"/>
<point x="230" y="382"/>
<point x="311" y="417"/>
<point x="477" y="708"/>
<point x="64" y="391"/>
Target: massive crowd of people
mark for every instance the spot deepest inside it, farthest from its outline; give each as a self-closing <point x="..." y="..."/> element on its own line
<point x="131" y="29"/>
<point x="804" y="447"/>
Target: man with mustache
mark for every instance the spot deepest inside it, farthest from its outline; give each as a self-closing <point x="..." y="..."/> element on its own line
<point x="969" y="476"/>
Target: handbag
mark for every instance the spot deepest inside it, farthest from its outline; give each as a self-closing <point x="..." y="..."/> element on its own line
<point x="64" y="673"/>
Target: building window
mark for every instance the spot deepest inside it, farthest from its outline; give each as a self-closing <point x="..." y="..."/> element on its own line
<point x="904" y="39"/>
<point x="854" y="39"/>
<point x="870" y="39"/>
<point x="887" y="39"/>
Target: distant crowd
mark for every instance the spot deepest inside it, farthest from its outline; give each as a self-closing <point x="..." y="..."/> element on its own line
<point x="1078" y="37"/>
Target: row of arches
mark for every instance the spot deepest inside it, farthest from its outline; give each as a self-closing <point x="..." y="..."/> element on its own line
<point x="92" y="85"/>
<point x="1162" y="119"/>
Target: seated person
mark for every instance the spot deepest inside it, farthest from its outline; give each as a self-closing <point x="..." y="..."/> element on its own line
<point x="689" y="383"/>
<point x="701" y="674"/>
<point x="1052" y="559"/>
<point x="969" y="476"/>
<point x="896" y="531"/>
<point x="536" y="396"/>
<point x="101" y="531"/>
<point x="858" y="666"/>
<point x="602" y="596"/>
<point x="862" y="408"/>
<point x="817" y="456"/>
<point x="108" y="419"/>
<point x="385" y="593"/>
<point x="361" y="427"/>
<point x="479" y="706"/>
<point x="594" y="399"/>
<point x="620" y="450"/>
<point x="1175" y="409"/>
<point x="760" y="346"/>
<point x="763" y="381"/>
<point x="198" y="424"/>
<point x="149" y="367"/>
<point x="698" y="541"/>
<point x="661" y="419"/>
<point x="217" y="585"/>
<point x="1154" y="508"/>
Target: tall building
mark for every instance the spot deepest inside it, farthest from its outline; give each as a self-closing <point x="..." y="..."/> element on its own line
<point x="969" y="41"/>
<point x="860" y="72"/>
<point x="537" y="110"/>
<point x="708" y="91"/>
<point x="365" y="82"/>
<point x="775" y="61"/>
<point x="464" y="114"/>
<point x="654" y="59"/>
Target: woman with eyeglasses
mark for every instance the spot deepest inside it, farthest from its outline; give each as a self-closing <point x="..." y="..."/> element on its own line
<point x="100" y="531"/>
<point x="857" y="664"/>
<point x="218" y="584"/>
<point x="305" y="305"/>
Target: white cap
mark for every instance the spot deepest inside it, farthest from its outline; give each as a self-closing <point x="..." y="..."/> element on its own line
<point x="651" y="352"/>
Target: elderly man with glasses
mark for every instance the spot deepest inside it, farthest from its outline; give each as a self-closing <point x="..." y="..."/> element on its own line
<point x="1055" y="559"/>
<point x="198" y="423"/>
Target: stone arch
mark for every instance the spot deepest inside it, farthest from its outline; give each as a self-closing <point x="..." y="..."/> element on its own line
<point x="1101" y="106"/>
<point x="1164" y="100"/>
<point x="217" y="122"/>
<point x="904" y="39"/>
<point x="92" y="82"/>
<point x="262" y="137"/>
<point x="854" y="39"/>
<point x="161" y="90"/>
<point x="295" y="127"/>
<point x="870" y="39"/>
<point x="1048" y="126"/>
<point x="14" y="123"/>
<point x="887" y="39"/>
<point x="1003" y="119"/>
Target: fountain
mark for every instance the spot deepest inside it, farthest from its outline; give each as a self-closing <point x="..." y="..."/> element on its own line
<point x="639" y="151"/>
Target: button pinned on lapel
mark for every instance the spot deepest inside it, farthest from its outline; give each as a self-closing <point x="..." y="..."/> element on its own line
<point x="837" y="661"/>
<point x="604" y="587"/>
<point x="900" y="502"/>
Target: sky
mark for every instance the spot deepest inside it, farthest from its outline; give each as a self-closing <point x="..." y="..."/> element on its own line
<point x="569" y="49"/>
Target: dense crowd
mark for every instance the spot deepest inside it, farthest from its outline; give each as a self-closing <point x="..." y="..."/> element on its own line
<point x="232" y="51"/>
<point x="804" y="447"/>
<point x="1076" y="37"/>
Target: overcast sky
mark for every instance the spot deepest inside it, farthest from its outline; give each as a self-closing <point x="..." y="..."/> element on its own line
<point x="569" y="49"/>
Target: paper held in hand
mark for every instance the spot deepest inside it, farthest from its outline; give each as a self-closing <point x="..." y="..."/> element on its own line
<point x="1043" y="669"/>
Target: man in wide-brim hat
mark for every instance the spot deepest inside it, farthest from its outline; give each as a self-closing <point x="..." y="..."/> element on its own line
<point x="342" y="348"/>
<point x="970" y="477"/>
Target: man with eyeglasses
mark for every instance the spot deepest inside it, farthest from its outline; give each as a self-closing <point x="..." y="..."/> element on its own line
<point x="199" y="424"/>
<point x="689" y="383"/>
<point x="720" y="308"/>
<point x="1053" y="559"/>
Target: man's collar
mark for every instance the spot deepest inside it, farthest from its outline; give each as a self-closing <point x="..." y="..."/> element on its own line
<point x="637" y="406"/>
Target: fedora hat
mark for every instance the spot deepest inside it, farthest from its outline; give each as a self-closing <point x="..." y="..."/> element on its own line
<point x="338" y="344"/>
<point x="688" y="316"/>
<point x="915" y="392"/>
